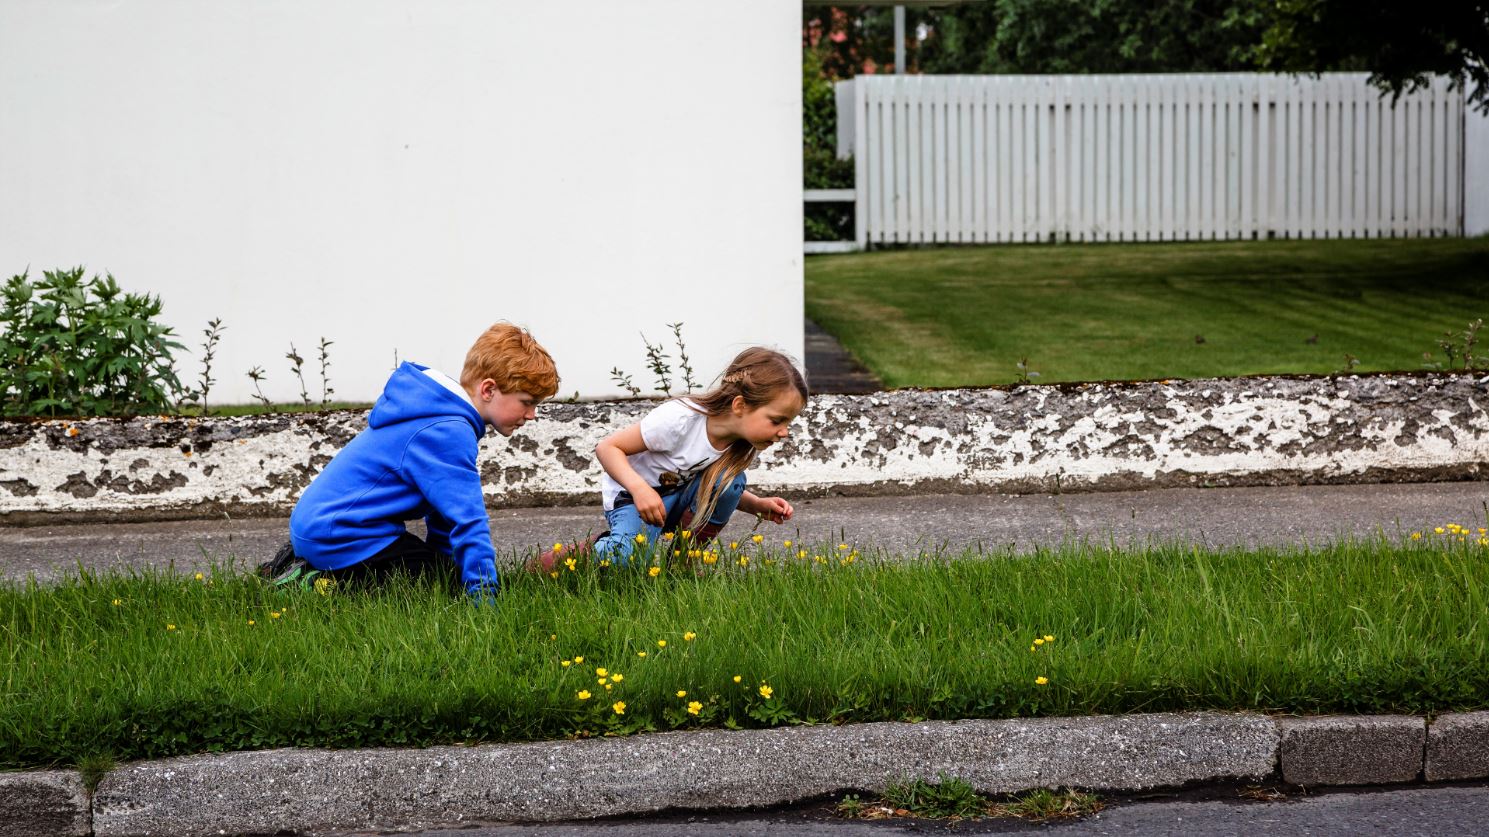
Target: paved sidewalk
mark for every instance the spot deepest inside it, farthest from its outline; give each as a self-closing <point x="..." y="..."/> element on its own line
<point x="1207" y="516"/>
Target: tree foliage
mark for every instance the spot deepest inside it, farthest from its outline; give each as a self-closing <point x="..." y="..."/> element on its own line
<point x="1401" y="42"/>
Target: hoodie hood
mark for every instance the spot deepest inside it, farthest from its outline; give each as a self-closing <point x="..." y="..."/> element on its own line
<point x="412" y="395"/>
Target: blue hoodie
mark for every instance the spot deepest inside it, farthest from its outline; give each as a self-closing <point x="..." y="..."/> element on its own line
<point x="417" y="458"/>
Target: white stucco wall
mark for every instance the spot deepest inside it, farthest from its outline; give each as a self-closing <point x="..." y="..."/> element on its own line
<point x="397" y="174"/>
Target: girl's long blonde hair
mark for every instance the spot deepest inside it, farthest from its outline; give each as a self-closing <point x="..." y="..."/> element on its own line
<point x="757" y="375"/>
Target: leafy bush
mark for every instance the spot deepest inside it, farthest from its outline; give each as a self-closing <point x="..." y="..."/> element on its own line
<point x="76" y="347"/>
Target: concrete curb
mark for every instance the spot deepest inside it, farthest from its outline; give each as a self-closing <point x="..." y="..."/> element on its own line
<point x="295" y="791"/>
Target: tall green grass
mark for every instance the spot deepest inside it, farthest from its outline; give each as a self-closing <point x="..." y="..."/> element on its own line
<point x="134" y="666"/>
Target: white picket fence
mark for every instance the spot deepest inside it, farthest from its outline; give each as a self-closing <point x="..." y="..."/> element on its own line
<point x="973" y="159"/>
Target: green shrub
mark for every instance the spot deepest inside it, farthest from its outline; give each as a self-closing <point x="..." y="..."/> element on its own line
<point x="76" y="347"/>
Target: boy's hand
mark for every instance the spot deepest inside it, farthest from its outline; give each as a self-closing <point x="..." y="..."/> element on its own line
<point x="649" y="505"/>
<point x="774" y="509"/>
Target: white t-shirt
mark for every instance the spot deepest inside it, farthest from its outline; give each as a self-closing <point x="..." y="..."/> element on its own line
<point x="676" y="437"/>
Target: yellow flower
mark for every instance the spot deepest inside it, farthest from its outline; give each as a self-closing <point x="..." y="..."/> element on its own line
<point x="654" y="572"/>
<point x="118" y="602"/>
<point x="766" y="691"/>
<point x="769" y="562"/>
<point x="583" y="694"/>
<point x="617" y="677"/>
<point x="641" y="653"/>
<point x="802" y="554"/>
<point x="689" y="636"/>
<point x="1032" y="649"/>
<point x="641" y="538"/>
<point x="558" y="549"/>
<point x="694" y="707"/>
<point x="553" y="574"/>
<point x="787" y="544"/>
<point x="601" y="672"/>
<point x="1416" y="536"/>
<point x="169" y="626"/>
<point x="251" y="622"/>
<point x="666" y="536"/>
<point x="273" y="614"/>
<point x="757" y="538"/>
<point x="608" y="687"/>
<point x="842" y="546"/>
<point x="1483" y="530"/>
<point x="1039" y="640"/>
<point x="711" y="558"/>
<point x="578" y="660"/>
<point x="619" y="707"/>
<point x="603" y="680"/>
<point x="566" y="663"/>
<point x="661" y="643"/>
<point x="820" y="559"/>
<point x="1438" y="530"/>
<point x="1049" y="637"/>
<point x="570" y="563"/>
<point x="737" y="678"/>
<point x="687" y="533"/>
<point x="604" y="562"/>
<point x="682" y="693"/>
<point x="325" y="586"/>
<point x="200" y="577"/>
<point x="1040" y="681"/>
<point x="744" y="560"/>
<point x="734" y="544"/>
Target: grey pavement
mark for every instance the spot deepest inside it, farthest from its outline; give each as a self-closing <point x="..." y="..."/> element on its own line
<point x="1426" y="811"/>
<point x="1212" y="517"/>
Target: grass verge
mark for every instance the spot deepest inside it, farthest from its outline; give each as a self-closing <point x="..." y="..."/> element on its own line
<point x="965" y="316"/>
<point x="136" y="666"/>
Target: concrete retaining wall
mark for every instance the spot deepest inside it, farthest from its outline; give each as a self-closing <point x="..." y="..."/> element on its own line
<point x="1246" y="431"/>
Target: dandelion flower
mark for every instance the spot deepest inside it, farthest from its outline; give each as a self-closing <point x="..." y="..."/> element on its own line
<point x="118" y="602"/>
<point x="787" y="544"/>
<point x="1041" y="680"/>
<point x="604" y="562"/>
<point x="1039" y="640"/>
<point x="661" y="643"/>
<point x="689" y="636"/>
<point x="744" y="560"/>
<point x="1438" y="530"/>
<point x="667" y="536"/>
<point x="757" y="538"/>
<point x="251" y="622"/>
<point x="1049" y="637"/>
<point x="578" y="660"/>
<point x="641" y="538"/>
<point x="617" y="677"/>
<point x="602" y="672"/>
<point x="200" y="577"/>
<point x="619" y="707"/>
<point x="766" y="691"/>
<point x="1416" y="536"/>
<point x="694" y="707"/>
<point x="641" y="653"/>
<point x="273" y="614"/>
<point x="737" y="678"/>
<point x="654" y="572"/>
<point x="558" y="549"/>
<point x="603" y="680"/>
<point x="583" y="694"/>
<point x="609" y="686"/>
<point x="1032" y="649"/>
<point x="734" y="544"/>
<point x="801" y="554"/>
<point x="687" y="533"/>
<point x="842" y="546"/>
<point x="682" y="693"/>
<point x="169" y="626"/>
<point x="566" y="663"/>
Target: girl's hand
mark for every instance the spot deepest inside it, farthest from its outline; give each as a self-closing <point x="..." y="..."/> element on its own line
<point x="774" y="509"/>
<point x="649" y="505"/>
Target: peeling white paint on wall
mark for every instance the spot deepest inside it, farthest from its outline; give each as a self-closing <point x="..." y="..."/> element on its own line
<point x="1023" y="439"/>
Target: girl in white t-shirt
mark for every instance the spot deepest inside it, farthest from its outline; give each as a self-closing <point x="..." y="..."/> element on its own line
<point x="685" y="460"/>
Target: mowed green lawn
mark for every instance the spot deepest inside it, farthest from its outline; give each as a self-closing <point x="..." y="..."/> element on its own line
<point x="965" y="316"/>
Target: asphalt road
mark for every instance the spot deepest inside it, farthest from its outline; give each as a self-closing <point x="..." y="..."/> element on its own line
<point x="911" y="525"/>
<point x="1427" y="811"/>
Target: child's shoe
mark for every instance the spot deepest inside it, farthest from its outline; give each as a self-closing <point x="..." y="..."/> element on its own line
<point x="286" y="568"/>
<point x="549" y="559"/>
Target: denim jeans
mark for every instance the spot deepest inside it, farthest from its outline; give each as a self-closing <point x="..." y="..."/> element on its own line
<point x="626" y="523"/>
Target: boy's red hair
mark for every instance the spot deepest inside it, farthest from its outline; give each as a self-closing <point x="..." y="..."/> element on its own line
<point x="509" y="355"/>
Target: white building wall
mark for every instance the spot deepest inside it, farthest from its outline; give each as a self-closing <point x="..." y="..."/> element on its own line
<point x="395" y="175"/>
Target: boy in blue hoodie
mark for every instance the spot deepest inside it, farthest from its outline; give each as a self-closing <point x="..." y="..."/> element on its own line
<point x="417" y="459"/>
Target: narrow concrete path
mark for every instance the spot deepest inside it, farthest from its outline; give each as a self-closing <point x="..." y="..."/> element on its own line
<point x="1212" y="517"/>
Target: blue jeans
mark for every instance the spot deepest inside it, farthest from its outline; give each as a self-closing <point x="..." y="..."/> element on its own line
<point x="626" y="523"/>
